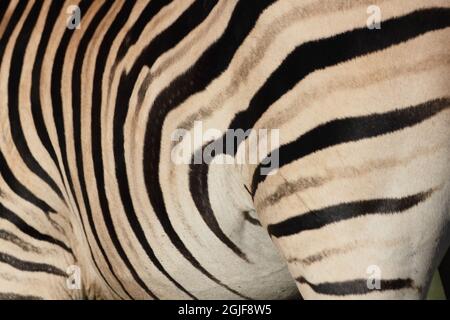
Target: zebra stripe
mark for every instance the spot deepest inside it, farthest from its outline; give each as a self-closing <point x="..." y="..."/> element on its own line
<point x="87" y="179"/>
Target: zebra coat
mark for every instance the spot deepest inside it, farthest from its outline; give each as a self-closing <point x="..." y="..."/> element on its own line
<point x="94" y="112"/>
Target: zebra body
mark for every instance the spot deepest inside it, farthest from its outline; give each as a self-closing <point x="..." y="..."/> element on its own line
<point x="88" y="178"/>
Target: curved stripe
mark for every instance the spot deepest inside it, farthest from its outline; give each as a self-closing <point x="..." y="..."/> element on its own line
<point x="76" y="119"/>
<point x="357" y="287"/>
<point x="15" y="18"/>
<point x="209" y="66"/>
<point x="323" y="53"/>
<point x="352" y="129"/>
<point x="188" y="21"/>
<point x="29" y="230"/>
<point x="3" y="7"/>
<point x="213" y="62"/>
<point x="19" y="189"/>
<point x="135" y="32"/>
<point x="96" y="138"/>
<point x="17" y="62"/>
<point x="35" y="96"/>
<point x="317" y="219"/>
<point x="30" y="266"/>
<point x="305" y="59"/>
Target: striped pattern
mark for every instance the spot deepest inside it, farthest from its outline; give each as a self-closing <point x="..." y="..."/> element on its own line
<point x="87" y="178"/>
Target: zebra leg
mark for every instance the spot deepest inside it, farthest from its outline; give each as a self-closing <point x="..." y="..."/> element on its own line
<point x="384" y="246"/>
<point x="368" y="219"/>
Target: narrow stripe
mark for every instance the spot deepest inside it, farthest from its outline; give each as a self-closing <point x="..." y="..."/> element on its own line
<point x="12" y="238"/>
<point x="29" y="230"/>
<point x="30" y="266"/>
<point x="357" y="287"/>
<point x="15" y="296"/>
<point x="317" y="219"/>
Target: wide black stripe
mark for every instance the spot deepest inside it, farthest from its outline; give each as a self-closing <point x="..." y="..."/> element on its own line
<point x="198" y="184"/>
<point x="57" y="103"/>
<point x="352" y="129"/>
<point x="305" y="59"/>
<point x="19" y="189"/>
<point x="15" y="296"/>
<point x="30" y="266"/>
<point x="323" y="53"/>
<point x="209" y="66"/>
<point x="322" y="217"/>
<point x="96" y="137"/>
<point x="3" y="7"/>
<point x="135" y="32"/>
<point x="187" y="21"/>
<point x="13" y="21"/>
<point x="357" y="287"/>
<point x="29" y="230"/>
<point x="17" y="62"/>
<point x="36" y="106"/>
<point x="76" y="118"/>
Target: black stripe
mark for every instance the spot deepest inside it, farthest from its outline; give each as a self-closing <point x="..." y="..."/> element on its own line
<point x="13" y="21"/>
<point x="27" y="229"/>
<point x="3" y="7"/>
<point x="15" y="296"/>
<point x="17" y="133"/>
<point x="209" y="66"/>
<point x="352" y="129"/>
<point x="76" y="118"/>
<point x="36" y="106"/>
<point x="19" y="189"/>
<point x="322" y="217"/>
<point x="57" y="103"/>
<point x="12" y="238"/>
<point x="198" y="185"/>
<point x="323" y="53"/>
<point x="357" y="287"/>
<point x="96" y="137"/>
<point x="135" y="32"/>
<point x="304" y="60"/>
<point x="189" y="20"/>
<point x="30" y="266"/>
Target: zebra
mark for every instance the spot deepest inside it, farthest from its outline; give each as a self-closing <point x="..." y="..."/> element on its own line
<point x="357" y="206"/>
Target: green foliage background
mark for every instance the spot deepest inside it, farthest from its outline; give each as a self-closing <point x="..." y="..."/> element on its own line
<point x="436" y="291"/>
